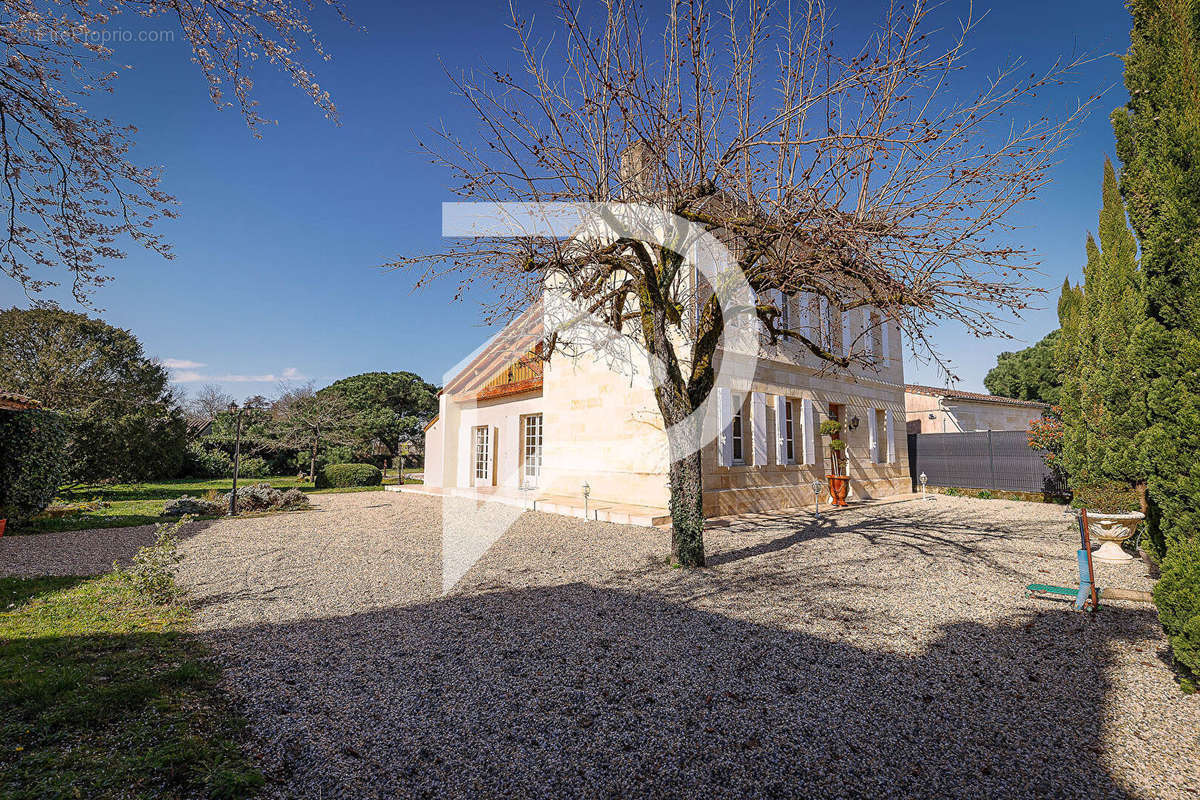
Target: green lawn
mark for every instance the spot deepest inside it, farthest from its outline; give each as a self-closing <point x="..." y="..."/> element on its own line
<point x="142" y="503"/>
<point x="104" y="695"/>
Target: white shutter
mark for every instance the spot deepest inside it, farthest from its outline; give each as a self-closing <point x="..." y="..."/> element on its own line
<point x="846" y="326"/>
<point x="869" y="335"/>
<point x="466" y="455"/>
<point x="873" y="431"/>
<point x="780" y="429"/>
<point x="808" y="422"/>
<point x="510" y="451"/>
<point x="887" y="350"/>
<point x="806" y="314"/>
<point x="825" y="323"/>
<point x="785" y="315"/>
<point x="891" y="436"/>
<point x="724" y="423"/>
<point x="758" y="424"/>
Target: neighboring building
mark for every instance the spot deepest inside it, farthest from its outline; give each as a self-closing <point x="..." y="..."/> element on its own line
<point x="11" y="401"/>
<point x="932" y="410"/>
<point x="514" y="427"/>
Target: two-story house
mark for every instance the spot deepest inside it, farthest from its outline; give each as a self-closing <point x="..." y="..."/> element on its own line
<point x="516" y="428"/>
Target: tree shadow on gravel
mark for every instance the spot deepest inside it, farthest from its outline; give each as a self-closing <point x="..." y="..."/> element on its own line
<point x="936" y="534"/>
<point x="59" y="552"/>
<point x="574" y="690"/>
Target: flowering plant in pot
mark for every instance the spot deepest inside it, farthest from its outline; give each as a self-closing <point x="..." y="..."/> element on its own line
<point x="1114" y="511"/>
<point x="839" y="482"/>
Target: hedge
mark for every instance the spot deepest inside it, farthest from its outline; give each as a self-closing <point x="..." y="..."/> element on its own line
<point x="33" y="461"/>
<point x="338" y="476"/>
<point x="204" y="462"/>
<point x="1177" y="596"/>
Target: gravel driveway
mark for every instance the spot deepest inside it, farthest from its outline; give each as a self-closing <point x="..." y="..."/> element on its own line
<point x="886" y="651"/>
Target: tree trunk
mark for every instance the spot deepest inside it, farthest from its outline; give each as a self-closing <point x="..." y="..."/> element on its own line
<point x="685" y="483"/>
<point x="687" y="511"/>
<point x="312" y="460"/>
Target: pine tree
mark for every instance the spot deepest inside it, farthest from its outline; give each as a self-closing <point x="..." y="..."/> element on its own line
<point x="1158" y="140"/>
<point x="1027" y="374"/>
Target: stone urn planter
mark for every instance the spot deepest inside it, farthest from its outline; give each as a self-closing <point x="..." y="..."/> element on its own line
<point x="1111" y="530"/>
<point x="839" y="486"/>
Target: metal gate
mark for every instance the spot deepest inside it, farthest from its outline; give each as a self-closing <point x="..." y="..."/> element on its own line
<point x="996" y="460"/>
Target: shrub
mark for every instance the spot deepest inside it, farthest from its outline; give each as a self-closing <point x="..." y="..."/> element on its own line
<point x="73" y="509"/>
<point x="294" y="499"/>
<point x="264" y="497"/>
<point x="339" y="476"/>
<point x="830" y="426"/>
<point x="194" y="506"/>
<point x="253" y="467"/>
<point x="33" y="463"/>
<point x="152" y="573"/>
<point x="1109" y="498"/>
<point x="1177" y="597"/>
<point x="203" y="462"/>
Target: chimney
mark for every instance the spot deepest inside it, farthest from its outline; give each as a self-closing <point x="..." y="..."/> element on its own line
<point x="637" y="170"/>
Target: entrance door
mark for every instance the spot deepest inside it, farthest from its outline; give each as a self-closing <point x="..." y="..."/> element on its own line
<point x="481" y="436"/>
<point x="531" y="450"/>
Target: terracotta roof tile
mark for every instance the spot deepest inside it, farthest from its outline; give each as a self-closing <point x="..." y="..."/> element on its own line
<point x="11" y="401"/>
<point x="955" y="394"/>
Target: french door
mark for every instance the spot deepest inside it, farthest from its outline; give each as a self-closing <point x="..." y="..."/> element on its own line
<point x="531" y="449"/>
<point x="482" y="447"/>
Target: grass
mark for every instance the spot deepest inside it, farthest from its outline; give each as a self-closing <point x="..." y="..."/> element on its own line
<point x="142" y="503"/>
<point x="105" y="695"/>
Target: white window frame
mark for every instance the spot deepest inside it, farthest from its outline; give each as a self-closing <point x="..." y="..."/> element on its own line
<point x="881" y="443"/>
<point x="737" y="432"/>
<point x="789" y="433"/>
<point x="531" y="449"/>
<point x="785" y="313"/>
<point x="481" y="455"/>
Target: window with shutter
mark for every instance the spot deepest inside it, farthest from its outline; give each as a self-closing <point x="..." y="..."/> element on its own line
<point x="789" y="435"/>
<point x="735" y="432"/>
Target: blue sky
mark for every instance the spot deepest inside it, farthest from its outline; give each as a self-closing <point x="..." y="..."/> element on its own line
<point x="276" y="275"/>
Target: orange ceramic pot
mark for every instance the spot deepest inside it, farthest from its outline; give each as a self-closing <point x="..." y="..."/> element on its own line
<point x="839" y="485"/>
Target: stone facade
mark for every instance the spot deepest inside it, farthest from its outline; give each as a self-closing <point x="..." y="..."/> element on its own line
<point x="601" y="425"/>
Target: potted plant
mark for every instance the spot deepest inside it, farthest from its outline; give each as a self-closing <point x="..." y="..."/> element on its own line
<point x="839" y="482"/>
<point x="1114" y="512"/>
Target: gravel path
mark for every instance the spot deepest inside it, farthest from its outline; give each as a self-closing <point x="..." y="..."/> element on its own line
<point x="886" y="651"/>
<point x="72" y="552"/>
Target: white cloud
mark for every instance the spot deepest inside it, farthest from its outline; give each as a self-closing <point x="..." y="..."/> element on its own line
<point x="191" y="376"/>
<point x="181" y="363"/>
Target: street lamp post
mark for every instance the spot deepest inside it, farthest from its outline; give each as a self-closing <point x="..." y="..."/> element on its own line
<point x="236" y="413"/>
<point x="400" y="460"/>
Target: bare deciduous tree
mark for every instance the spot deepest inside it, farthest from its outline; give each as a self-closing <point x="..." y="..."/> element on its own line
<point x="307" y="419"/>
<point x="856" y="176"/>
<point x="70" y="189"/>
<point x="204" y="406"/>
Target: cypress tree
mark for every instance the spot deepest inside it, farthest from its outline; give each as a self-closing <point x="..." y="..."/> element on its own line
<point x="1113" y="313"/>
<point x="1068" y="355"/>
<point x="1104" y="407"/>
<point x="1158" y="140"/>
